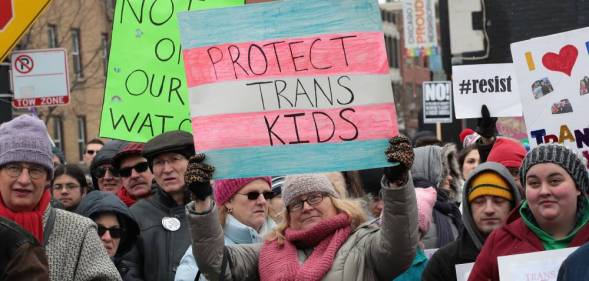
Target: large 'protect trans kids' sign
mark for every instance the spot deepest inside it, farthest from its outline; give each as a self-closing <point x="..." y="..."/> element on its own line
<point x="289" y="87"/>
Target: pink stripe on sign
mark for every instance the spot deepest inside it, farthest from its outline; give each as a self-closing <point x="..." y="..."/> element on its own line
<point x="326" y="54"/>
<point x="283" y="127"/>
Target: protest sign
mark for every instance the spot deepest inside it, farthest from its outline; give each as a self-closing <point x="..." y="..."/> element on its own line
<point x="146" y="92"/>
<point x="463" y="271"/>
<point x="437" y="102"/>
<point x="553" y="81"/>
<point x="490" y="84"/>
<point x="542" y="265"/>
<point x="289" y="87"/>
<point x="419" y="20"/>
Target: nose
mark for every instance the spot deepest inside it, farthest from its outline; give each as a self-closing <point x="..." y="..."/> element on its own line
<point x="261" y="200"/>
<point x="544" y="189"/>
<point x="106" y="236"/>
<point x="108" y="174"/>
<point x="24" y="178"/>
<point x="489" y="208"/>
<point x="167" y="167"/>
<point x="134" y="174"/>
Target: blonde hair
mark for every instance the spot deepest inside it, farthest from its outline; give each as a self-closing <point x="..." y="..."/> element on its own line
<point x="352" y="207"/>
<point x="338" y="181"/>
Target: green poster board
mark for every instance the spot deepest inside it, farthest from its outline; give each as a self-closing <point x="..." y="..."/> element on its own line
<point x="146" y="92"/>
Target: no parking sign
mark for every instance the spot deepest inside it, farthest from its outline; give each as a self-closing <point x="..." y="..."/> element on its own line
<point x="40" y="78"/>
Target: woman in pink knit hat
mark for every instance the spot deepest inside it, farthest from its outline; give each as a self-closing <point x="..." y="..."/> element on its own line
<point x="243" y="212"/>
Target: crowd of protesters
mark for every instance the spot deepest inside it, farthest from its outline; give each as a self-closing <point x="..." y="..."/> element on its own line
<point x="134" y="211"/>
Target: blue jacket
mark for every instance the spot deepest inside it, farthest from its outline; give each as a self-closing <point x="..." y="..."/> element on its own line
<point x="575" y="266"/>
<point x="235" y="233"/>
<point x="416" y="269"/>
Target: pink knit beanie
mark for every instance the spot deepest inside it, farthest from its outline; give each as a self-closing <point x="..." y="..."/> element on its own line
<point x="225" y="189"/>
<point x="426" y="198"/>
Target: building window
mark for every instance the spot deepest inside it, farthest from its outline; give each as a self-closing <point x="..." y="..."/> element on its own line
<point x="52" y="36"/>
<point x="394" y="45"/>
<point x="77" y="53"/>
<point x="58" y="132"/>
<point x="81" y="136"/>
<point x="104" y="39"/>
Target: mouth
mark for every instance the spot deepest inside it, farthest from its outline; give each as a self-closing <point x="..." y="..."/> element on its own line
<point x="491" y="220"/>
<point x="547" y="202"/>
<point x="20" y="192"/>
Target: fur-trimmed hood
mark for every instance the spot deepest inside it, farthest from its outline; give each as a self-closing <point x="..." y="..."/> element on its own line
<point x="433" y="163"/>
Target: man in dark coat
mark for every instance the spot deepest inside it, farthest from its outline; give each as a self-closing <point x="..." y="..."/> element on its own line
<point x="490" y="193"/>
<point x="162" y="220"/>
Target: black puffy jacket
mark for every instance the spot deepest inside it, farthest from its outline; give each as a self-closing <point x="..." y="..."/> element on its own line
<point x="158" y="250"/>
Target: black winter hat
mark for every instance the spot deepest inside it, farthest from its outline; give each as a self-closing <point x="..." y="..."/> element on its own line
<point x="174" y="141"/>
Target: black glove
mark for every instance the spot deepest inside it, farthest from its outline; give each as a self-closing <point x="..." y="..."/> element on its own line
<point x="486" y="126"/>
<point x="198" y="177"/>
<point x="401" y="151"/>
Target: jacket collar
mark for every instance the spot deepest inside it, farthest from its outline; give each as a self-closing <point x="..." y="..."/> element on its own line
<point x="240" y="233"/>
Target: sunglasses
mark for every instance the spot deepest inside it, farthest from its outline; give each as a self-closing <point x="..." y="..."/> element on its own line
<point x="101" y="171"/>
<point x="115" y="231"/>
<point x="139" y="168"/>
<point x="254" y="195"/>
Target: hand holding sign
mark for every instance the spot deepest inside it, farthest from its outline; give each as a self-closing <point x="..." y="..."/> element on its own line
<point x="487" y="125"/>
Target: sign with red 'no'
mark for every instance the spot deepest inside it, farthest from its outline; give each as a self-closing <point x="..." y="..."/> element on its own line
<point x="40" y="78"/>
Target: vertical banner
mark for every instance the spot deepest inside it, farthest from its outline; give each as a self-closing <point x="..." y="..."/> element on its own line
<point x="553" y="80"/>
<point x="146" y="92"/>
<point x="419" y="21"/>
<point x="437" y="102"/>
<point x="289" y="87"/>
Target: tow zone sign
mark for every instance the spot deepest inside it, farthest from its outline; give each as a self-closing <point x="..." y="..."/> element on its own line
<point x="40" y="78"/>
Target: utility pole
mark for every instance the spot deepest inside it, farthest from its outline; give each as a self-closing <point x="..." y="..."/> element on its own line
<point x="5" y="93"/>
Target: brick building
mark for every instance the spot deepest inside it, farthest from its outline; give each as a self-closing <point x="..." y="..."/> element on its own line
<point x="83" y="28"/>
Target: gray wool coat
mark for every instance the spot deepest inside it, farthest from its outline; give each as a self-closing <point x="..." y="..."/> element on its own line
<point x="74" y="250"/>
<point x="370" y="253"/>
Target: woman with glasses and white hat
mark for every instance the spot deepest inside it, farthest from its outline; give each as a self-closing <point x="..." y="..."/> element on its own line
<point x="243" y="212"/>
<point x="323" y="237"/>
<point x="72" y="246"/>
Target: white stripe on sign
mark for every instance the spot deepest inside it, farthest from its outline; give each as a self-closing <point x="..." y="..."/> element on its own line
<point x="279" y="93"/>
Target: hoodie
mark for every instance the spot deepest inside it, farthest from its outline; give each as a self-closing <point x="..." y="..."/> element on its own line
<point x="466" y="248"/>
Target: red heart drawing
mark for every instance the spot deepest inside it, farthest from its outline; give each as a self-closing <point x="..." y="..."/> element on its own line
<point x="562" y="62"/>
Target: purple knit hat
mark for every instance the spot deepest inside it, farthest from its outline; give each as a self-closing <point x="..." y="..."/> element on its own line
<point x="25" y="139"/>
<point x="225" y="189"/>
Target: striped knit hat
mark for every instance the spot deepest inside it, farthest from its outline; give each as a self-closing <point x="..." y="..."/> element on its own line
<point x="559" y="155"/>
<point x="489" y="183"/>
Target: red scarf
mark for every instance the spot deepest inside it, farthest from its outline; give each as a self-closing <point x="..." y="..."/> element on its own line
<point x="126" y="197"/>
<point x="31" y="221"/>
<point x="281" y="262"/>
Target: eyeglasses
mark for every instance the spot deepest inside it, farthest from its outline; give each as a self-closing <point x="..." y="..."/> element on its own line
<point x="100" y="172"/>
<point x="160" y="162"/>
<point x="115" y="231"/>
<point x="139" y="168"/>
<point x="67" y="186"/>
<point x="35" y="171"/>
<point x="254" y="195"/>
<point x="91" y="152"/>
<point x="312" y="200"/>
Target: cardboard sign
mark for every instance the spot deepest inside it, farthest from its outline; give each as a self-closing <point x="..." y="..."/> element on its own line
<point x="146" y="92"/>
<point x="40" y="78"/>
<point x="542" y="265"/>
<point x="437" y="102"/>
<point x="463" y="271"/>
<point x="490" y="84"/>
<point x="286" y="87"/>
<point x="553" y="81"/>
<point x="419" y="19"/>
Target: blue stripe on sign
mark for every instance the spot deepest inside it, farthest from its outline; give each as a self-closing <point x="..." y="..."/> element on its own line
<point x="277" y="19"/>
<point x="297" y="159"/>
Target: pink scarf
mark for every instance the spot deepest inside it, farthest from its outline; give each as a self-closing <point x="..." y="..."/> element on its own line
<point x="281" y="262"/>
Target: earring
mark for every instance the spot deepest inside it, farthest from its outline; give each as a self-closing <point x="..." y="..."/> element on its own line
<point x="229" y="210"/>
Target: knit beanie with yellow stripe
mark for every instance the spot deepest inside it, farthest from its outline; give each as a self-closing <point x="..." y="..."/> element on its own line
<point x="489" y="183"/>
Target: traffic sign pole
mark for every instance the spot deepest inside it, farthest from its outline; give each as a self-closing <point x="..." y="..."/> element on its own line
<point x="5" y="93"/>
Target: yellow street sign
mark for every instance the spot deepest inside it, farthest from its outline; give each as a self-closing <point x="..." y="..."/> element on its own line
<point x="16" y="16"/>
